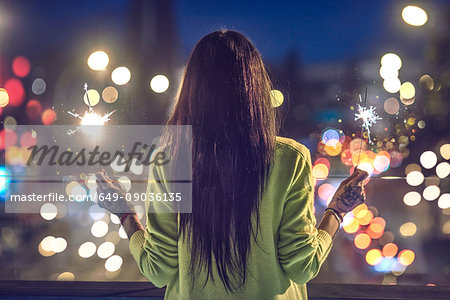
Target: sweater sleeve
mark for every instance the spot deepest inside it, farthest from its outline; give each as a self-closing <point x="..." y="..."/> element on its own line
<point x="301" y="247"/>
<point x="156" y="249"/>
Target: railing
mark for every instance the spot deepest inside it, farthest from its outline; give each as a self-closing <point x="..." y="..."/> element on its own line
<point x="108" y="290"/>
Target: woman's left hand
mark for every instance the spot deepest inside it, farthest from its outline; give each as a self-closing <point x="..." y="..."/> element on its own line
<point x="111" y="195"/>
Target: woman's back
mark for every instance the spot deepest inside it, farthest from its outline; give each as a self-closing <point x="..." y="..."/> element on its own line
<point x="289" y="249"/>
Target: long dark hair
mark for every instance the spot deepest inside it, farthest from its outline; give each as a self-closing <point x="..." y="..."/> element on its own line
<point x="225" y="96"/>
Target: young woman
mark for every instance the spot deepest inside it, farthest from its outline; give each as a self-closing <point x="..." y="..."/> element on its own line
<point x="251" y="233"/>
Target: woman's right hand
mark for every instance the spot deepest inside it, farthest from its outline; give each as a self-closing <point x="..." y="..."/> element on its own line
<point x="350" y="193"/>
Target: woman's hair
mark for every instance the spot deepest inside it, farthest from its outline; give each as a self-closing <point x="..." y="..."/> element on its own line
<point x="225" y="96"/>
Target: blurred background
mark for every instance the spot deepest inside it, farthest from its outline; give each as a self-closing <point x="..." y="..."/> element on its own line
<point x="322" y="57"/>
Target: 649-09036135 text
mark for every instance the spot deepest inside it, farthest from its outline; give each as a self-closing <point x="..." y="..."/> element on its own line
<point x="95" y="197"/>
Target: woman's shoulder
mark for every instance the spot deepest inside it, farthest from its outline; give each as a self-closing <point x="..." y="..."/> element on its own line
<point x="291" y="146"/>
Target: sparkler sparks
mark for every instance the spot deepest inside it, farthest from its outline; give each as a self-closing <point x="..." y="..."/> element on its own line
<point x="89" y="118"/>
<point x="368" y="116"/>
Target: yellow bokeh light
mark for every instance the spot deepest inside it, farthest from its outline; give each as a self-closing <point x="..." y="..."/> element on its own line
<point x="121" y="75"/>
<point x="159" y="84"/>
<point x="276" y="98"/>
<point x="406" y="257"/>
<point x="392" y="85"/>
<point x="407" y="91"/>
<point x="333" y="150"/>
<point x="414" y="15"/>
<point x="445" y="151"/>
<point x="320" y="171"/>
<point x="374" y="257"/>
<point x="391" y="61"/>
<point x="94" y="97"/>
<point x="4" y="97"/>
<point x="408" y="229"/>
<point x="98" y="60"/>
<point x="446" y="227"/>
<point x="352" y="226"/>
<point x="66" y="276"/>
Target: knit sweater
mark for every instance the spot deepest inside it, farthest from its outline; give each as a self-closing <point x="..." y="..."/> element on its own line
<point x="289" y="250"/>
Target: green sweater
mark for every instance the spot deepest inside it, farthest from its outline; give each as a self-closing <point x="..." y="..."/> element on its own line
<point x="291" y="248"/>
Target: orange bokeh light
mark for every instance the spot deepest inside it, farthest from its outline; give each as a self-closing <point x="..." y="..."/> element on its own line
<point x="390" y="250"/>
<point x="362" y="241"/>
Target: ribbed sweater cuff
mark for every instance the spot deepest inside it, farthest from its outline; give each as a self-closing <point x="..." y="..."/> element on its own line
<point x="324" y="239"/>
<point x="136" y="242"/>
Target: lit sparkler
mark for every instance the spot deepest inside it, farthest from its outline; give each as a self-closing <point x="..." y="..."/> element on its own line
<point x="89" y="117"/>
<point x="367" y="115"/>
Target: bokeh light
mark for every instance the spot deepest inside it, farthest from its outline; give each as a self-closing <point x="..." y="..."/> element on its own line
<point x="414" y="15"/>
<point x="391" y="106"/>
<point x="4" y="97"/>
<point x="407" y="91"/>
<point x="98" y="60"/>
<point x="392" y="85"/>
<point x="320" y="171"/>
<point x="159" y="84"/>
<point x="406" y="257"/>
<point x="376" y="228"/>
<point x="390" y="250"/>
<point x="374" y="257"/>
<point x="87" y="249"/>
<point x="94" y="97"/>
<point x="48" y="211"/>
<point x="387" y="72"/>
<point x="426" y="82"/>
<point x="39" y="86"/>
<point x="105" y="250"/>
<point x="443" y="169"/>
<point x="428" y="159"/>
<point x="276" y="97"/>
<point x="113" y="263"/>
<point x="48" y="116"/>
<point x="362" y="241"/>
<point x="431" y="192"/>
<point x="391" y="61"/>
<point x="99" y="229"/>
<point x="445" y="151"/>
<point x="110" y="94"/>
<point x="408" y="229"/>
<point x="34" y="109"/>
<point x="326" y="192"/>
<point x="412" y="198"/>
<point x="21" y="66"/>
<point x="66" y="276"/>
<point x="121" y="75"/>
<point x="444" y="201"/>
<point x="16" y="91"/>
<point x="415" y="178"/>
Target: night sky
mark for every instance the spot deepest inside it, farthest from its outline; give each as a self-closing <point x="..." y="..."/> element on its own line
<point x="321" y="30"/>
